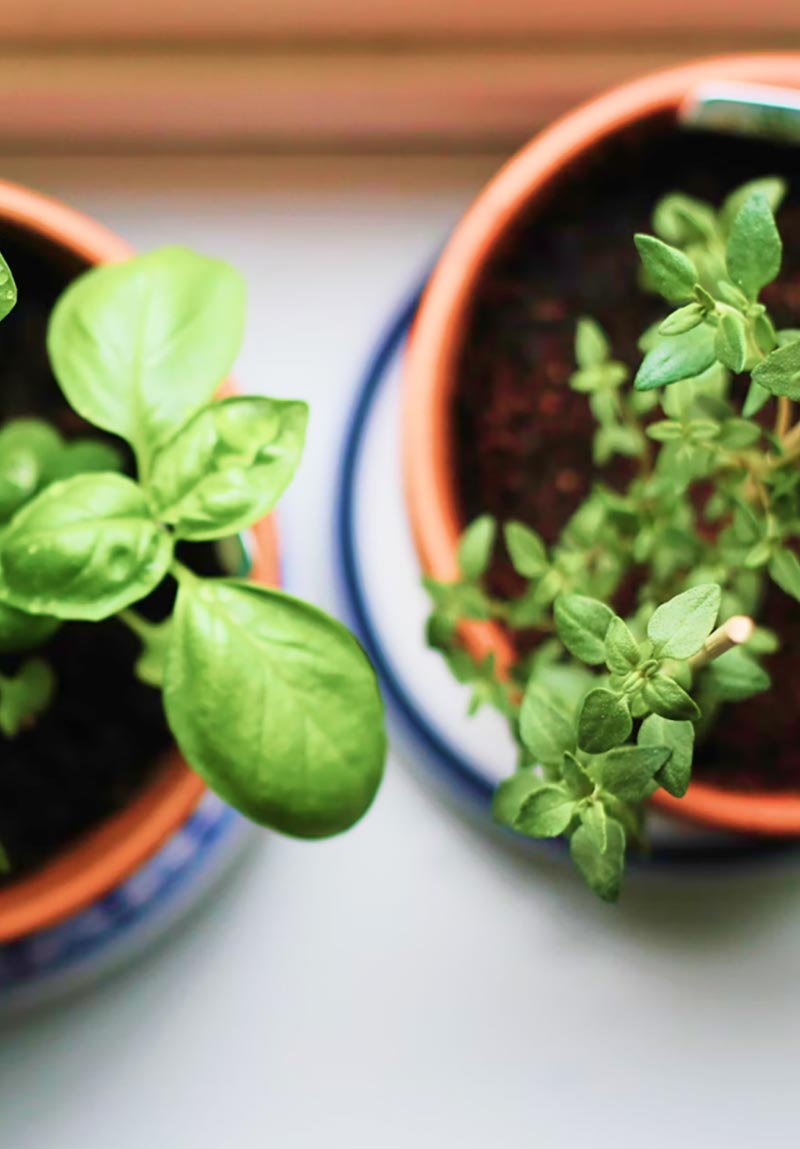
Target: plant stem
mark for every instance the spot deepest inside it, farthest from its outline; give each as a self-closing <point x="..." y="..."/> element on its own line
<point x="734" y="632"/>
<point x="141" y="627"/>
<point x="783" y="418"/>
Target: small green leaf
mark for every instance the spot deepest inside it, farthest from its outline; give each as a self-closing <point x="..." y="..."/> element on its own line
<point x="275" y="705"/>
<point x="83" y="456"/>
<point x="784" y="569"/>
<point x="8" y="289"/>
<point x="575" y="777"/>
<point x="757" y="397"/>
<point x="591" y="344"/>
<point x="676" y="773"/>
<point x="526" y="550"/>
<point x="28" y="451"/>
<point x="730" y="344"/>
<point x="779" y="373"/>
<point x="601" y="863"/>
<point x="595" y="818"/>
<point x="20" y="631"/>
<point x="510" y="795"/>
<point x="25" y="695"/>
<point x="546" y="727"/>
<point x="772" y="188"/>
<point x="677" y="357"/>
<point x="628" y="771"/>
<point x="84" y="548"/>
<point x="475" y="547"/>
<point x="138" y="347"/>
<point x="684" y="319"/>
<point x="738" y="434"/>
<point x="582" y="624"/>
<point x="665" y="431"/>
<point x="228" y="466"/>
<point x="682" y="219"/>
<point x="664" y="696"/>
<point x="671" y="272"/>
<point x="737" y="676"/>
<point x="754" y="249"/>
<point x="604" y="721"/>
<point x="679" y="628"/>
<point x="155" y="639"/>
<point x="622" y="654"/>
<point x="546" y="812"/>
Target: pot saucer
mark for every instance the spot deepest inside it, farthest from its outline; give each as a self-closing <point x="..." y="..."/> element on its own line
<point x="388" y="606"/>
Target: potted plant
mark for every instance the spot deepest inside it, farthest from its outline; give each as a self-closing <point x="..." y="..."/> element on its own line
<point x="620" y="663"/>
<point x="120" y="631"/>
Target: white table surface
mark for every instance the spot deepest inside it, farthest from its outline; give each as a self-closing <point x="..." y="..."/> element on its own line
<point x="409" y="985"/>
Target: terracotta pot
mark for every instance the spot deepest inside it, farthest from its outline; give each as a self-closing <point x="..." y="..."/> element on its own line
<point x="108" y="855"/>
<point x="439" y="331"/>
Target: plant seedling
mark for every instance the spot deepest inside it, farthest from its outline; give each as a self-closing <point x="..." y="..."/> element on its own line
<point x="271" y="701"/>
<point x="607" y="709"/>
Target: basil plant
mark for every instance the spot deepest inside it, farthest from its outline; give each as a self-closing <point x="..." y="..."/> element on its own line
<point x="606" y="709"/>
<point x="272" y="702"/>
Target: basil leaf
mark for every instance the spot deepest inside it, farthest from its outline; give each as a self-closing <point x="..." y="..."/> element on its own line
<point x="670" y="271"/>
<point x="604" y="721"/>
<point x="138" y="347"/>
<point x="622" y="654"/>
<point x="784" y="569"/>
<point x="754" y="249"/>
<point x="475" y="547"/>
<point x="510" y="794"/>
<point x="25" y="695"/>
<point x="779" y="373"/>
<point x="545" y="725"/>
<point x="526" y="550"/>
<point x="546" y="812"/>
<point x="677" y="357"/>
<point x="737" y="676"/>
<point x="28" y="450"/>
<point x="228" y="466"/>
<point x="664" y="696"/>
<point x="600" y="862"/>
<point x="20" y="631"/>
<point x="679" y="628"/>
<point x="678" y="737"/>
<point x="275" y="705"/>
<point x="83" y="456"/>
<point x="628" y="771"/>
<point x="83" y="549"/>
<point x="8" y="289"/>
<point x="582" y="624"/>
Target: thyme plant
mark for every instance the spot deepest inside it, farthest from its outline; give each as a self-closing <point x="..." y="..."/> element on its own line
<point x="607" y="709"/>
<point x="270" y="700"/>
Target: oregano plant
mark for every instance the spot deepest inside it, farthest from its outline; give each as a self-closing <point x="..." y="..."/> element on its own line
<point x="271" y="701"/>
<point x="609" y="705"/>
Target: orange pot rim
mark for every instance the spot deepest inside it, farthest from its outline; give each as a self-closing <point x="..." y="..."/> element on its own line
<point x="429" y="376"/>
<point x="111" y="853"/>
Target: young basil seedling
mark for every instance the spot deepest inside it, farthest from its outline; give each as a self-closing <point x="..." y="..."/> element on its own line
<point x="607" y="709"/>
<point x="273" y="702"/>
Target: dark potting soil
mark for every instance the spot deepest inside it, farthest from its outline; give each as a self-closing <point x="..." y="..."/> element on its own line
<point x="102" y="737"/>
<point x="522" y="446"/>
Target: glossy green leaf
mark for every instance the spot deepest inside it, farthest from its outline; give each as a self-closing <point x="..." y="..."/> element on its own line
<point x="85" y="456"/>
<point x="8" y="289"/>
<point x="754" y="249"/>
<point x="84" y="548"/>
<point x="25" y="695"/>
<point x="546" y="812"/>
<point x="677" y="357"/>
<point x="546" y="726"/>
<point x="526" y="550"/>
<point x="671" y="271"/>
<point x="20" y="631"/>
<point x="679" y="628"/>
<point x="138" y="347"/>
<point x="604" y="721"/>
<point x="475" y="547"/>
<point x="582" y="624"/>
<point x="600" y="862"/>
<point x="275" y="705"/>
<point x="676" y="773"/>
<point x="29" y="449"/>
<point x="228" y="466"/>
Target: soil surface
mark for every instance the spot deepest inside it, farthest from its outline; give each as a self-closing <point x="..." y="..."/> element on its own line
<point x="522" y="447"/>
<point x="102" y="737"/>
